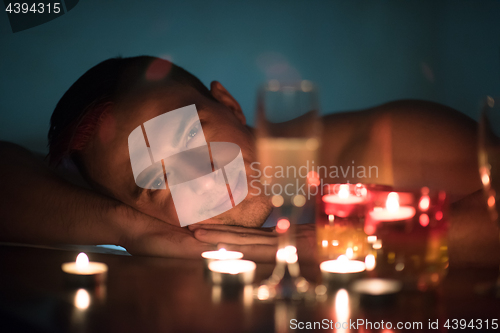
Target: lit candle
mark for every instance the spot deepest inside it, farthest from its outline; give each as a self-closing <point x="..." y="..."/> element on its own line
<point x="343" y="203"/>
<point x="342" y="266"/>
<point x="341" y="270"/>
<point x="392" y="211"/>
<point x="232" y="271"/>
<point x="83" y="272"/>
<point x="221" y="254"/>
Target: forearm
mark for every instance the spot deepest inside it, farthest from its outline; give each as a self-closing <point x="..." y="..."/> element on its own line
<point x="38" y="207"/>
<point x="473" y="237"/>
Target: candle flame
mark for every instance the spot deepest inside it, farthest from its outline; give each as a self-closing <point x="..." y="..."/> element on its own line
<point x="392" y="203"/>
<point x="343" y="258"/>
<point x="82" y="260"/>
<point x="344" y="191"/>
<point x="349" y="253"/>
<point x="342" y="308"/>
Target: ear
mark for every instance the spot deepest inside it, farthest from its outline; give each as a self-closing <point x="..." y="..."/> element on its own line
<point x="223" y="96"/>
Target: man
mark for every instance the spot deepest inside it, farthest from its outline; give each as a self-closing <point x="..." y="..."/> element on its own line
<point x="413" y="144"/>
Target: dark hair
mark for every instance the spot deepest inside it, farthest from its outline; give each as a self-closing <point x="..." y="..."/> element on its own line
<point x="79" y="111"/>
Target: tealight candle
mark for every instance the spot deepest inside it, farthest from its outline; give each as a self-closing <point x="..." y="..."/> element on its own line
<point x="341" y="270"/>
<point x="221" y="254"/>
<point x="82" y="272"/>
<point x="392" y="210"/>
<point x="376" y="291"/>
<point x="343" y="203"/>
<point x="232" y="271"/>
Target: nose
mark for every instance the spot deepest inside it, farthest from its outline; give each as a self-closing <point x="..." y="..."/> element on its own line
<point x="203" y="184"/>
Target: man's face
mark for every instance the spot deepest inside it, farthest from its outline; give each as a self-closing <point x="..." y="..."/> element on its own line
<point x="108" y="158"/>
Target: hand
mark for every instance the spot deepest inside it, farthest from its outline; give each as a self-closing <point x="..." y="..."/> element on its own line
<point x="146" y="235"/>
<point x="258" y="244"/>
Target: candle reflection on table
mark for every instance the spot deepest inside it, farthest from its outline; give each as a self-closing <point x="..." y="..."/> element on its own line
<point x="81" y="303"/>
<point x="342" y="310"/>
<point x="284" y="312"/>
<point x="377" y="287"/>
<point x="82" y="299"/>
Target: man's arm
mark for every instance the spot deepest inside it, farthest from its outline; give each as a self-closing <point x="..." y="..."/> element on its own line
<point x="38" y="207"/>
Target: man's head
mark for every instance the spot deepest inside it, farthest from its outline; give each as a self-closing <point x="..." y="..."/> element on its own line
<point x="94" y="118"/>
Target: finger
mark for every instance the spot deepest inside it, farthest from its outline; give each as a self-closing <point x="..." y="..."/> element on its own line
<point x="220" y="236"/>
<point x="231" y="228"/>
<point x="258" y="253"/>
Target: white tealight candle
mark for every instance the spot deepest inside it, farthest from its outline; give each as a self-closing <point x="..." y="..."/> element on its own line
<point x="392" y="210"/>
<point x="342" y="266"/>
<point x="232" y="271"/>
<point x="221" y="254"/>
<point x="341" y="271"/>
<point x="343" y="197"/>
<point x="83" y="272"/>
<point x="344" y="203"/>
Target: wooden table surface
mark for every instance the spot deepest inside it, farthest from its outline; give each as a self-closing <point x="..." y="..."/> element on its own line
<point x="172" y="295"/>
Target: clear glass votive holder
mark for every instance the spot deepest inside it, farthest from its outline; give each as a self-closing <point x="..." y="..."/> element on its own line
<point x="407" y="232"/>
<point x="340" y="222"/>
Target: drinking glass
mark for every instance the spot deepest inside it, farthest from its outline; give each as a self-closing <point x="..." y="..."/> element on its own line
<point x="288" y="137"/>
<point x="489" y="159"/>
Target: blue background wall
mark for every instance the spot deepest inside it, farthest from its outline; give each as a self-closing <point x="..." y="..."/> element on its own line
<point x="361" y="53"/>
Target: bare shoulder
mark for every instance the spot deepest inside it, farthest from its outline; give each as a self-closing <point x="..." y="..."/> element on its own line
<point x="410" y="113"/>
<point x="413" y="142"/>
